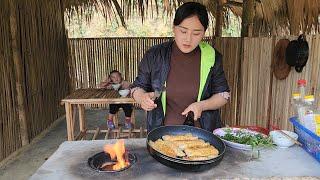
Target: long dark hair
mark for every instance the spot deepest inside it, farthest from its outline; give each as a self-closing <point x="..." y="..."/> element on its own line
<point x="192" y="9"/>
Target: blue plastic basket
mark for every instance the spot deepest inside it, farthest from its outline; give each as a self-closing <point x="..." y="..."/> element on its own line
<point x="309" y="140"/>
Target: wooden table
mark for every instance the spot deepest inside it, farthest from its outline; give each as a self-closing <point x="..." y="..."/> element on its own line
<point x="80" y="97"/>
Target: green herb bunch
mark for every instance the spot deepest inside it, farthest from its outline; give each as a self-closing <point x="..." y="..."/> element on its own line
<point x="244" y="137"/>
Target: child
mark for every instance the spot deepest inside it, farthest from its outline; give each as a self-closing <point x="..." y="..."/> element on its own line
<point x="115" y="81"/>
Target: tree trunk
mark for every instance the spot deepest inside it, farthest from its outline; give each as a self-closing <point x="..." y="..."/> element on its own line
<point x="247" y="18"/>
<point x="219" y="20"/>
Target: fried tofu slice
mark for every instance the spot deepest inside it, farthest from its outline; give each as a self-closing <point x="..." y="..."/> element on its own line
<point x="198" y="143"/>
<point x="184" y="137"/>
<point x="208" y="151"/>
<point x="162" y="149"/>
<point x="166" y="147"/>
<point x="198" y="158"/>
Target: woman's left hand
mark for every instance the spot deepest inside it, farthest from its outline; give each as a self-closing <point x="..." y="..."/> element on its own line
<point x="196" y="108"/>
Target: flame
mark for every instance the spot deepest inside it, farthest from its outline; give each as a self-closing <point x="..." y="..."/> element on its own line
<point x="117" y="152"/>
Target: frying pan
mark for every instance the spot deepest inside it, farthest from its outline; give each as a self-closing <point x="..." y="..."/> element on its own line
<point x="179" y="163"/>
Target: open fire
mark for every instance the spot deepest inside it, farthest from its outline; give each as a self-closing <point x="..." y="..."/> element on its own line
<point x="118" y="156"/>
<point x="114" y="158"/>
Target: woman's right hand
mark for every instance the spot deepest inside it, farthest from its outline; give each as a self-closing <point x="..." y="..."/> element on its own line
<point x="145" y="99"/>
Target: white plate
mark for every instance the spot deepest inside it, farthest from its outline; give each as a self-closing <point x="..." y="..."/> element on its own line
<point x="221" y="132"/>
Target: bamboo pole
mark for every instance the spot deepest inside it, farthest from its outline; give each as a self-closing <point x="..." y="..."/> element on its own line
<point x="16" y="56"/>
<point x="269" y="122"/>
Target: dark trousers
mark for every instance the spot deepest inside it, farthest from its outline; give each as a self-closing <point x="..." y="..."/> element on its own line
<point x="127" y="108"/>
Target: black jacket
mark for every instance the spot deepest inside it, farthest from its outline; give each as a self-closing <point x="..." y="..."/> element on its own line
<point x="153" y="72"/>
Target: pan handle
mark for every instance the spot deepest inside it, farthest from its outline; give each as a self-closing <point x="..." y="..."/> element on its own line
<point x="190" y="119"/>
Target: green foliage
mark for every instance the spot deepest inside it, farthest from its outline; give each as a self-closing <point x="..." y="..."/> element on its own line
<point x="244" y="137"/>
<point x="153" y="26"/>
<point x="233" y="28"/>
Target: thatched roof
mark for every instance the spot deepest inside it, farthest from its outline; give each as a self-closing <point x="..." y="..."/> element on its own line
<point x="293" y="15"/>
<point x="272" y="17"/>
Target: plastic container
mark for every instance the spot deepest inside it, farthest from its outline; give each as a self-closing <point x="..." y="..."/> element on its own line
<point x="302" y="87"/>
<point x="295" y="98"/>
<point x="317" y="117"/>
<point x="310" y="109"/>
<point x="309" y="140"/>
<point x="296" y="102"/>
<point x="317" y="120"/>
<point x="300" y="103"/>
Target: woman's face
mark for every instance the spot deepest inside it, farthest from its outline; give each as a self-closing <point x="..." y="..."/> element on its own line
<point x="115" y="78"/>
<point x="188" y="34"/>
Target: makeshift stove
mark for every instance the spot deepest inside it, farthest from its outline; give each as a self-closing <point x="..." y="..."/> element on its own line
<point x="70" y="161"/>
<point x="114" y="158"/>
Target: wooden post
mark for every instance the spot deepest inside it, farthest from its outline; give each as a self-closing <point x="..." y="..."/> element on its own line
<point x="119" y="131"/>
<point x="219" y="19"/>
<point x="107" y="134"/>
<point x="116" y="120"/>
<point x="82" y="121"/>
<point x="247" y="18"/>
<point x="19" y="74"/>
<point x="69" y="119"/>
<point x="130" y="133"/>
<point x="239" y="82"/>
<point x="269" y="121"/>
<point x="96" y="133"/>
<point x="141" y="132"/>
<point x="133" y="117"/>
<point x="81" y="135"/>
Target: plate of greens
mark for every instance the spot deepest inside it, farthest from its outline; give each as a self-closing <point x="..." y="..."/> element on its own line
<point x="243" y="139"/>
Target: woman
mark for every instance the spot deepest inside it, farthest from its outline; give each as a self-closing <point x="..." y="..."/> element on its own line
<point x="115" y="81"/>
<point x="187" y="72"/>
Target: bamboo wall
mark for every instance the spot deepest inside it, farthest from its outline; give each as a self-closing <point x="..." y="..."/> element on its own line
<point x="44" y="55"/>
<point x="255" y="81"/>
<point x="9" y="123"/>
<point x="257" y="97"/>
<point x="282" y="90"/>
<point x="44" y="80"/>
<point x="92" y="59"/>
<point x="230" y="48"/>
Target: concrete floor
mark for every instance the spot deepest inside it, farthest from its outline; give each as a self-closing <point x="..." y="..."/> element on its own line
<point x="34" y="155"/>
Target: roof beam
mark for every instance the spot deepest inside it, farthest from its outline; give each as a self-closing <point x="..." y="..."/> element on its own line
<point x="233" y="3"/>
<point x="237" y="3"/>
